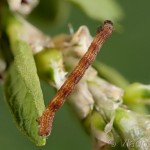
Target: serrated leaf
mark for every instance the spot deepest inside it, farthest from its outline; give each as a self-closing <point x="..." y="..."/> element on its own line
<point x="101" y="9"/>
<point x="23" y="93"/>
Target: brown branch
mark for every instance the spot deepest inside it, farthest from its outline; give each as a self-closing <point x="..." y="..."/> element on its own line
<point x="46" y="120"/>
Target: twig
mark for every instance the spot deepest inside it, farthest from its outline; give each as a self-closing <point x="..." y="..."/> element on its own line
<point x="46" y="120"/>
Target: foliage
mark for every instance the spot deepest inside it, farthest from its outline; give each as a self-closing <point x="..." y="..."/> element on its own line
<point x="109" y="107"/>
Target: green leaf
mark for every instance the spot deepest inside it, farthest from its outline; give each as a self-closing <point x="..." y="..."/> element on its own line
<point x="23" y="93"/>
<point x="101" y="9"/>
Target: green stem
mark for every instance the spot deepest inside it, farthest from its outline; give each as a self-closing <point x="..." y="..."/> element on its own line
<point x="110" y="74"/>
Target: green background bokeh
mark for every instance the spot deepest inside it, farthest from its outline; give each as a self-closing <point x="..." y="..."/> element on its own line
<point x="128" y="51"/>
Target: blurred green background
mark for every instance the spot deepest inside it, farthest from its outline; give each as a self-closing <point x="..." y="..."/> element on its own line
<point x="127" y="50"/>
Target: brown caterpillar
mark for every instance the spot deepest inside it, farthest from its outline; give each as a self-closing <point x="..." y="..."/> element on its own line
<point x="46" y="120"/>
